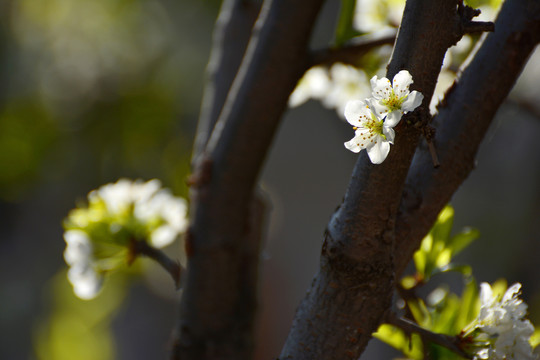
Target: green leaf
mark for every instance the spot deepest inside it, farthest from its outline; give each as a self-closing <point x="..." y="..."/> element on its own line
<point x="411" y="346"/>
<point x="470" y="305"/>
<point x="420" y="312"/>
<point x="462" y="240"/>
<point x="466" y="270"/>
<point x="344" y="28"/>
<point x="443" y="225"/>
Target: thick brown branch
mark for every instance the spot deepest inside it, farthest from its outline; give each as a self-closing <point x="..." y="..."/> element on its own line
<point x="351" y="51"/>
<point x="353" y="289"/>
<point x="217" y="306"/>
<point x="462" y="122"/>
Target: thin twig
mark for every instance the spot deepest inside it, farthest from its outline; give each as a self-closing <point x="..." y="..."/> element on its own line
<point x="443" y="340"/>
<point x="472" y="27"/>
<point x="140" y="247"/>
<point x="352" y="50"/>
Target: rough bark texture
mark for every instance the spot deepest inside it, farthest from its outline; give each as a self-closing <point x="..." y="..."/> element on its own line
<point x="353" y="288"/>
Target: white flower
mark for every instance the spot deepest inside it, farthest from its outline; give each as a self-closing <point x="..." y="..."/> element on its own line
<point x="347" y="83"/>
<point x="79" y="256"/>
<point x="372" y="132"/>
<point x="148" y="203"/>
<point x="502" y="324"/>
<point x="120" y="196"/>
<point x="314" y="84"/>
<point x="373" y="15"/>
<point x="170" y="210"/>
<point x="394" y="99"/>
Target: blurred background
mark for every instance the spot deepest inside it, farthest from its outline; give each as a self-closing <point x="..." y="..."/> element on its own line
<point x="95" y="90"/>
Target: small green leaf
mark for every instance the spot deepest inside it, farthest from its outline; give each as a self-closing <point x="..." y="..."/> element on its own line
<point x="344" y="28"/>
<point x="535" y="338"/>
<point x="443" y="225"/>
<point x="463" y="269"/>
<point x="470" y="304"/>
<point x="408" y="282"/>
<point x="420" y="312"/>
<point x="462" y="240"/>
<point x="420" y="259"/>
<point x="411" y="346"/>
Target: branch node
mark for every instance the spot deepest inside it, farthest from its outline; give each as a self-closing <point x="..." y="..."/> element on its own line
<point x="202" y="174"/>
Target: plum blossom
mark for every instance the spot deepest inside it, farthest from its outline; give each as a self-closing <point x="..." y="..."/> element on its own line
<point x="148" y="203"/>
<point x="393" y="99"/>
<point x="372" y="132"/>
<point x="374" y="15"/>
<point x="501" y="327"/>
<point x="100" y="236"/>
<point x="334" y="87"/>
<point x="314" y="84"/>
<point x="347" y="83"/>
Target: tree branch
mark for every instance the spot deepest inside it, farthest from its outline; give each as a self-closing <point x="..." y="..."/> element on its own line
<point x="230" y="38"/>
<point x="140" y="247"/>
<point x="352" y="50"/>
<point x="354" y="286"/>
<point x="216" y="309"/>
<point x="463" y="120"/>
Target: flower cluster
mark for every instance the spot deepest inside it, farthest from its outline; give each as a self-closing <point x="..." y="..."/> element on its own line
<point x="334" y="87"/>
<point x="500" y="331"/>
<point x="98" y="236"/>
<point x="374" y="118"/>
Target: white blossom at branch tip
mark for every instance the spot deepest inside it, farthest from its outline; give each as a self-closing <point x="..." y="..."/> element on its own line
<point x="148" y="202"/>
<point x="502" y="325"/>
<point x="371" y="131"/>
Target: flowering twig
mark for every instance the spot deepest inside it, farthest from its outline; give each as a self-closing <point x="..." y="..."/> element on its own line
<point x="139" y="247"/>
<point x="449" y="342"/>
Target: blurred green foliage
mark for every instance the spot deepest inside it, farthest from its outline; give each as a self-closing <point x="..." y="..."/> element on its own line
<point x="92" y="91"/>
<point x="27" y="132"/>
<point x="79" y="329"/>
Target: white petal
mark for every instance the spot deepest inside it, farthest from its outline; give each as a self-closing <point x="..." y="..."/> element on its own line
<point x="357" y="143"/>
<point x="511" y="292"/>
<point x="389" y="133"/>
<point x="393" y="118"/>
<point x="382" y="88"/>
<point x="378" y="152"/>
<point x="78" y="247"/>
<point x="354" y="111"/>
<point x="412" y="102"/>
<point x="401" y="82"/>
<point x="486" y="294"/>
<point x="377" y="108"/>
<point x="163" y="236"/>
<point x="86" y="282"/>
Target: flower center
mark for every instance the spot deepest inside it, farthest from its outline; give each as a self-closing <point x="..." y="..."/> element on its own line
<point x="375" y="126"/>
<point x="394" y="102"/>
